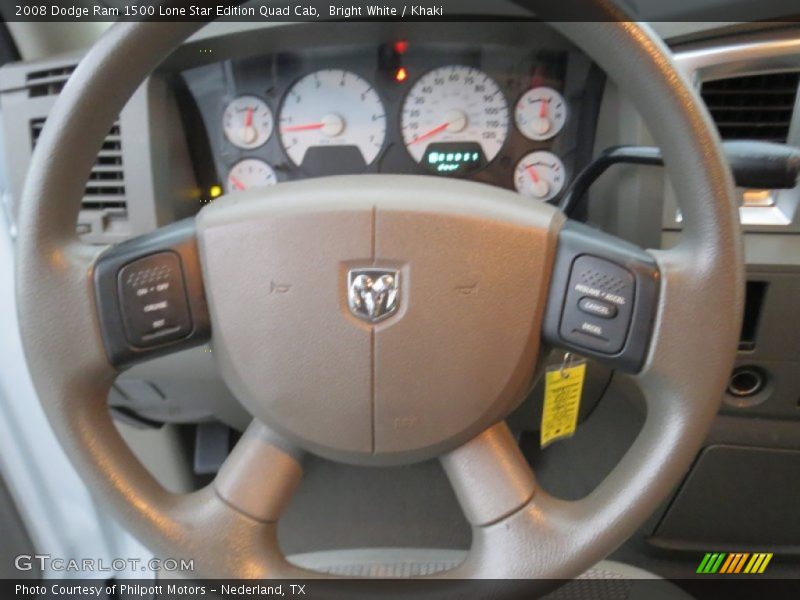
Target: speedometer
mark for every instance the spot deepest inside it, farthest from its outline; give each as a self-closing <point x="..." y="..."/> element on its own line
<point x="454" y="120"/>
<point x="332" y="108"/>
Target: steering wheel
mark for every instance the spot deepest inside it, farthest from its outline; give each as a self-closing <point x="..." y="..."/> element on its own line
<point x="381" y="320"/>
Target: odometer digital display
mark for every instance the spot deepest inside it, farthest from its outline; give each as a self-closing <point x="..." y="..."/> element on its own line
<point x="454" y="158"/>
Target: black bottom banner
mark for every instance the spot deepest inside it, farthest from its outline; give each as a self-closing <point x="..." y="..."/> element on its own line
<point x="581" y="589"/>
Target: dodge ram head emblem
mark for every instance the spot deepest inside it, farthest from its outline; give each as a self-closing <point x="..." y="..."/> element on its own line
<point x="373" y="294"/>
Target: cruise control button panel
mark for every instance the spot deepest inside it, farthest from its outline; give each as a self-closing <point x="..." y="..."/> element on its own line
<point x="597" y="308"/>
<point x="152" y="296"/>
<point x="603" y="297"/>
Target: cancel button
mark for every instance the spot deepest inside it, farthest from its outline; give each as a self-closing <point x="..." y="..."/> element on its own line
<point x="598" y="308"/>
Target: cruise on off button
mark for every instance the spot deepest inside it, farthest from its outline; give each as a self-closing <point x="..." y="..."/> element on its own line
<point x="598" y="308"/>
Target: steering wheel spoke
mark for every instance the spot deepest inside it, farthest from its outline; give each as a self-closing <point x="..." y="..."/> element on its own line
<point x="150" y="296"/>
<point x="603" y="297"/>
<point x="490" y="476"/>
<point x="261" y="474"/>
<point x="515" y="523"/>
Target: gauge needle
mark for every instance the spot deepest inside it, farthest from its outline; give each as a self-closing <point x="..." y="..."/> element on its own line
<point x="430" y="133"/>
<point x="236" y="183"/>
<point x="307" y="127"/>
<point x="248" y="117"/>
<point x="532" y="173"/>
<point x="543" y="109"/>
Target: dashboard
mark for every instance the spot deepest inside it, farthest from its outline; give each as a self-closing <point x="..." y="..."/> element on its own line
<point x="519" y="115"/>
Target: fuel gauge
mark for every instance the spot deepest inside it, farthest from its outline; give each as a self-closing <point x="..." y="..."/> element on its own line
<point x="540" y="113"/>
<point x="247" y="122"/>
<point x="539" y="175"/>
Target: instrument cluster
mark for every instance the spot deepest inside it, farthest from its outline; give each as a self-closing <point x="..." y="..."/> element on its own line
<point x="520" y="117"/>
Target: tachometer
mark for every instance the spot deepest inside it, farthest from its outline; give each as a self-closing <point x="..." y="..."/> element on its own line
<point x="332" y="108"/>
<point x="247" y="122"/>
<point x="454" y="120"/>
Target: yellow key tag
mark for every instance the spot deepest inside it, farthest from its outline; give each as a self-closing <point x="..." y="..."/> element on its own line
<point x="563" y="387"/>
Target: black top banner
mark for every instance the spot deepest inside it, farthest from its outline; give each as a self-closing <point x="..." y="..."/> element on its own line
<point x="260" y="11"/>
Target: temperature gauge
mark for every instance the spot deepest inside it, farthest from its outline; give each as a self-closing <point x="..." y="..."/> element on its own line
<point x="250" y="173"/>
<point x="539" y="175"/>
<point x="540" y="113"/>
<point x="247" y="122"/>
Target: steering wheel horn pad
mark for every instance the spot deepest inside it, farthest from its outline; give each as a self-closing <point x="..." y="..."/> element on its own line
<point x="472" y="266"/>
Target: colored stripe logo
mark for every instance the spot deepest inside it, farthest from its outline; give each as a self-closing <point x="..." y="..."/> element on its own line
<point x="734" y="563"/>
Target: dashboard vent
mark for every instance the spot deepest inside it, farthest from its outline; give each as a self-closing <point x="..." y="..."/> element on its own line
<point x="105" y="189"/>
<point x="755" y="107"/>
<point x="48" y="82"/>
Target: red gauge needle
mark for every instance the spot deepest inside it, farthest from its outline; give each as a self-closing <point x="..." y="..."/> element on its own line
<point x="248" y="117"/>
<point x="542" y="109"/>
<point x="236" y="183"/>
<point x="533" y="174"/>
<point x="430" y="133"/>
<point x="307" y="127"/>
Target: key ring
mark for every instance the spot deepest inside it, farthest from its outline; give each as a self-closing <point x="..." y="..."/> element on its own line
<point x="567" y="363"/>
